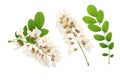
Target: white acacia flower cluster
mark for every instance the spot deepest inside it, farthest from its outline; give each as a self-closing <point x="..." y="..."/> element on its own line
<point x="72" y="33"/>
<point x="43" y="50"/>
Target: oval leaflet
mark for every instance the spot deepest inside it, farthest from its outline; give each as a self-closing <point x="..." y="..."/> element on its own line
<point x="105" y="26"/>
<point x="99" y="37"/>
<point x="94" y="28"/>
<point x="111" y="45"/>
<point x="89" y="20"/>
<point x="92" y="10"/>
<point x="109" y="36"/>
<point x="103" y="45"/>
<point x="100" y="16"/>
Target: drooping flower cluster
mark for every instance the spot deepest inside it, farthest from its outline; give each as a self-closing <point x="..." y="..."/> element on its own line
<point x="73" y="34"/>
<point x="33" y="39"/>
<point x="43" y="49"/>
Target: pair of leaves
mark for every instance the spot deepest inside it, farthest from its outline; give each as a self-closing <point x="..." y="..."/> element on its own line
<point x="96" y="28"/>
<point x="110" y="46"/>
<point x="106" y="54"/>
<point x="37" y="22"/>
<point x="92" y="10"/>
<point x="101" y="37"/>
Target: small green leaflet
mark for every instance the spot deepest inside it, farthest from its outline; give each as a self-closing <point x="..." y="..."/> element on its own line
<point x="112" y="55"/>
<point x="30" y="40"/>
<point x="43" y="32"/>
<point x="16" y="35"/>
<point x="99" y="37"/>
<point x="105" y="26"/>
<point x="100" y="16"/>
<point x="31" y="24"/>
<point x="105" y="54"/>
<point x="91" y="9"/>
<point x="109" y="36"/>
<point x="89" y="20"/>
<point x="103" y="45"/>
<point x="25" y="31"/>
<point x="111" y="45"/>
<point x="39" y="20"/>
<point x="20" y="42"/>
<point x="94" y="28"/>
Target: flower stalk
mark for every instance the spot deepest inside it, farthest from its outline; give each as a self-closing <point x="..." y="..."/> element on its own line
<point x="73" y="35"/>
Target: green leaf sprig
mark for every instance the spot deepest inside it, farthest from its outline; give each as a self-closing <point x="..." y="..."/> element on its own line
<point x="37" y="23"/>
<point x="96" y="23"/>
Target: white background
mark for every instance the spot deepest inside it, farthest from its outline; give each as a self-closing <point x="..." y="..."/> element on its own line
<point x="14" y="65"/>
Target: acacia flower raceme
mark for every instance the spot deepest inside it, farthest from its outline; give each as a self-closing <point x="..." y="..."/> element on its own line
<point x="73" y="35"/>
<point x="44" y="51"/>
<point x="35" y="43"/>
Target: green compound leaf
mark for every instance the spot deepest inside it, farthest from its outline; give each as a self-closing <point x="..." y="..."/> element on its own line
<point x="99" y="37"/>
<point x="89" y="20"/>
<point x="100" y="16"/>
<point x="105" y="26"/>
<point x="94" y="28"/>
<point x="20" y="42"/>
<point x="30" y="40"/>
<point x="16" y="35"/>
<point x="103" y="45"/>
<point x="97" y="17"/>
<point x="105" y="54"/>
<point x="112" y="55"/>
<point x="109" y="36"/>
<point x="31" y="25"/>
<point x="91" y="9"/>
<point x="39" y="20"/>
<point x="25" y="31"/>
<point x="43" y="32"/>
<point x="111" y="45"/>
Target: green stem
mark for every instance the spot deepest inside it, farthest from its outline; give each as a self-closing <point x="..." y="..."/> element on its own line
<point x="108" y="50"/>
<point x="15" y="40"/>
<point x="81" y="50"/>
<point x="83" y="53"/>
<point x="109" y="54"/>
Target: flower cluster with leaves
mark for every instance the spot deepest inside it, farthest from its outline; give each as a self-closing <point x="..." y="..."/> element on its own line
<point x="32" y="38"/>
<point x="73" y="35"/>
<point x="96" y="23"/>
